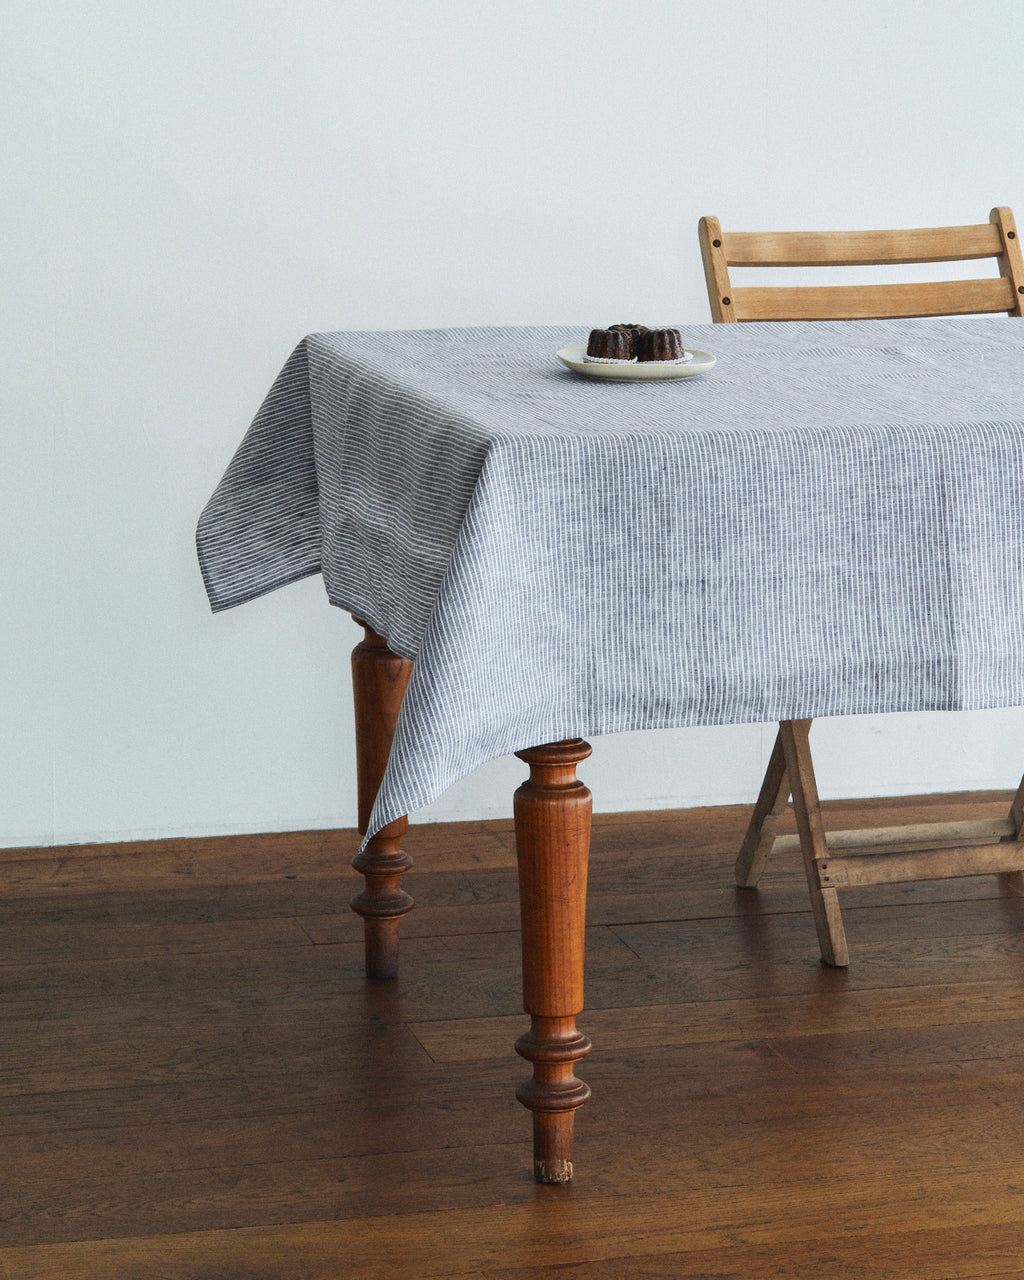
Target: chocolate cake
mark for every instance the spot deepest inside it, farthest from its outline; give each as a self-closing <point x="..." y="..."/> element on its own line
<point x="660" y="344"/>
<point x="611" y="344"/>
<point x="635" y="329"/>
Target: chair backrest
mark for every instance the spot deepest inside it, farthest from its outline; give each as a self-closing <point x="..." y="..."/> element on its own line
<point x="996" y="238"/>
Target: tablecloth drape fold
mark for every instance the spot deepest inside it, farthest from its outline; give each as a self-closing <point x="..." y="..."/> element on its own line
<point x="261" y="528"/>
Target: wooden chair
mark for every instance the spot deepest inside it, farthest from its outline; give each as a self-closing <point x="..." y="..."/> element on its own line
<point x="890" y="855"/>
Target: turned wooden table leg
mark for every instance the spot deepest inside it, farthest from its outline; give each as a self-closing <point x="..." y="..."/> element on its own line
<point x="552" y="819"/>
<point x="379" y="678"/>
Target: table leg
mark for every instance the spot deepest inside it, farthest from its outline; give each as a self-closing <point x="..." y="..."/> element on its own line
<point x="552" y="819"/>
<point x="379" y="678"/>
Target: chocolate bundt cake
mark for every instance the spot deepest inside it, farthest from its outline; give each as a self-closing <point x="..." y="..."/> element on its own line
<point x="660" y="344"/>
<point x="610" y="344"/>
<point x="635" y="329"/>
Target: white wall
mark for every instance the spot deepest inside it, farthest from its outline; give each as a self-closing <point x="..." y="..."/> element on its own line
<point x="195" y="184"/>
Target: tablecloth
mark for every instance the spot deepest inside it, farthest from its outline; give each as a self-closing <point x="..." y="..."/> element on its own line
<point x="830" y="522"/>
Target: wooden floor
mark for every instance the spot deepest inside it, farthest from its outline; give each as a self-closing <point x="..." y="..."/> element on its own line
<point x="197" y="1083"/>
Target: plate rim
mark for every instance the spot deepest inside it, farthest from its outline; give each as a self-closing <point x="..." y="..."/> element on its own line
<point x="701" y="363"/>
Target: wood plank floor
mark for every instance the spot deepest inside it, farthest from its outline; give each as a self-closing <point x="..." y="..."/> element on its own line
<point x="197" y="1083"/>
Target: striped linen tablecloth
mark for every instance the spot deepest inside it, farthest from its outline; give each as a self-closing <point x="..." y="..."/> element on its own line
<point x="829" y="522"/>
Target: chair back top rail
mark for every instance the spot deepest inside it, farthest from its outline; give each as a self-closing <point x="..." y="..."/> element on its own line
<point x="860" y="248"/>
<point x="996" y="239"/>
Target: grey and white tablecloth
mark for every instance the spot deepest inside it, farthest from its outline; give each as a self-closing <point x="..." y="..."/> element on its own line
<point x="829" y="522"/>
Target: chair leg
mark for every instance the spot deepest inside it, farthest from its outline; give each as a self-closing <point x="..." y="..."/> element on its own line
<point x="1017" y="819"/>
<point x="1017" y="811"/>
<point x="824" y="902"/>
<point x="771" y="804"/>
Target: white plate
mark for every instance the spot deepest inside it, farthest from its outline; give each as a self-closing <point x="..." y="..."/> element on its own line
<point x="644" y="371"/>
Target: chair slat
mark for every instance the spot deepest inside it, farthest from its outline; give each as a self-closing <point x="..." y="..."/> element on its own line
<point x="924" y="864"/>
<point x="861" y="248"/>
<point x="925" y="835"/>
<point x="875" y="301"/>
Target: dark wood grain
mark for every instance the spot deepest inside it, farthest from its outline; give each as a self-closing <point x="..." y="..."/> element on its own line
<point x="197" y="1081"/>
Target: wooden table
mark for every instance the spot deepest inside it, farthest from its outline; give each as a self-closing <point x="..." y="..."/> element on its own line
<point x="821" y="526"/>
